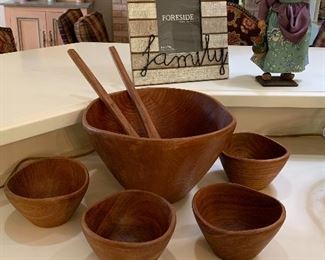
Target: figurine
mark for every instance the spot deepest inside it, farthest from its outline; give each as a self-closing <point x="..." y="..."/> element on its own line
<point x="282" y="46"/>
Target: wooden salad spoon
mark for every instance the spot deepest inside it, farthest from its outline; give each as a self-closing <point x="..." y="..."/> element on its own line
<point x="101" y="92"/>
<point x="146" y="119"/>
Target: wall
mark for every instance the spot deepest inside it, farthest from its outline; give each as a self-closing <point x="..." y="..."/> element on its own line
<point x="105" y="8"/>
<point x="252" y="7"/>
<point x="120" y="21"/>
<point x="2" y="14"/>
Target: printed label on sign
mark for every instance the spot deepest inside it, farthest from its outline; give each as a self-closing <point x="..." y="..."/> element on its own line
<point x="179" y="25"/>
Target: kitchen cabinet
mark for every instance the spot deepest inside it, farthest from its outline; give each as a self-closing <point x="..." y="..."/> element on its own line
<point x="54" y="37"/>
<point x="29" y="28"/>
<point x="35" y="27"/>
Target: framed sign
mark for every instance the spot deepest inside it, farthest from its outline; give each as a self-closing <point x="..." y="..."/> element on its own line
<point x="178" y="41"/>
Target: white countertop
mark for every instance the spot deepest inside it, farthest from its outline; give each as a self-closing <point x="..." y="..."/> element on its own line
<point x="300" y="187"/>
<point x="42" y="90"/>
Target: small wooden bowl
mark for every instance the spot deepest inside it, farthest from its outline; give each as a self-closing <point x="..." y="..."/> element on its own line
<point x="194" y="129"/>
<point x="131" y="224"/>
<point x="253" y="160"/>
<point x="48" y="191"/>
<point x="237" y="222"/>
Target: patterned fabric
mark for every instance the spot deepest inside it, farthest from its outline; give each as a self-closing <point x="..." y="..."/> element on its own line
<point x="242" y="26"/>
<point x="282" y="56"/>
<point x="66" y="25"/>
<point x="7" y="41"/>
<point x="320" y="38"/>
<point x="91" y="28"/>
<point x="293" y="17"/>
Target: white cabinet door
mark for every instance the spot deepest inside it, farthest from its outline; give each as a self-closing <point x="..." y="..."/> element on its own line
<point x="53" y="34"/>
<point x="29" y="28"/>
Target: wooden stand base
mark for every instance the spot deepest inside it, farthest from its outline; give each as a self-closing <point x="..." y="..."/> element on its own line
<point x="276" y="81"/>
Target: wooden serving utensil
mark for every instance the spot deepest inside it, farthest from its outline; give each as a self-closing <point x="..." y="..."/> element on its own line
<point x="48" y="191"/>
<point x="253" y="160"/>
<point x="131" y="224"/>
<point x="101" y="92"/>
<point x="236" y="221"/>
<point x="146" y="119"/>
<point x="173" y="165"/>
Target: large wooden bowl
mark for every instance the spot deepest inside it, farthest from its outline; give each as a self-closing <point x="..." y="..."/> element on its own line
<point x="253" y="160"/>
<point x="194" y="129"/>
<point x="237" y="222"/>
<point x="133" y="225"/>
<point x="48" y="191"/>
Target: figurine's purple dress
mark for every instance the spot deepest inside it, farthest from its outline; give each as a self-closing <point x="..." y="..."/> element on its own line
<point x="288" y="24"/>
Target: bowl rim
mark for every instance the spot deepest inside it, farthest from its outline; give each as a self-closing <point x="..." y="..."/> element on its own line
<point x="232" y="124"/>
<point x="275" y="159"/>
<point x="84" y="171"/>
<point x="197" y="213"/>
<point x="165" y="235"/>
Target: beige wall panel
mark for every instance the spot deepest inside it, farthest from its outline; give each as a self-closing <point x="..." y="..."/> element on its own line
<point x="140" y="44"/>
<point x="142" y="11"/>
<point x="180" y="75"/>
<point x="214" y="25"/>
<point x="214" y="8"/>
<point x="105" y="8"/>
<point x="138" y="60"/>
<point x="143" y="28"/>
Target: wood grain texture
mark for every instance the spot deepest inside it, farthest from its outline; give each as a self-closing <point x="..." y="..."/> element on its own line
<point x="48" y="191"/>
<point x="236" y="221"/>
<point x="180" y="74"/>
<point x="101" y="92"/>
<point x="194" y="129"/>
<point x="145" y="117"/>
<point x="133" y="225"/>
<point x="253" y="160"/>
